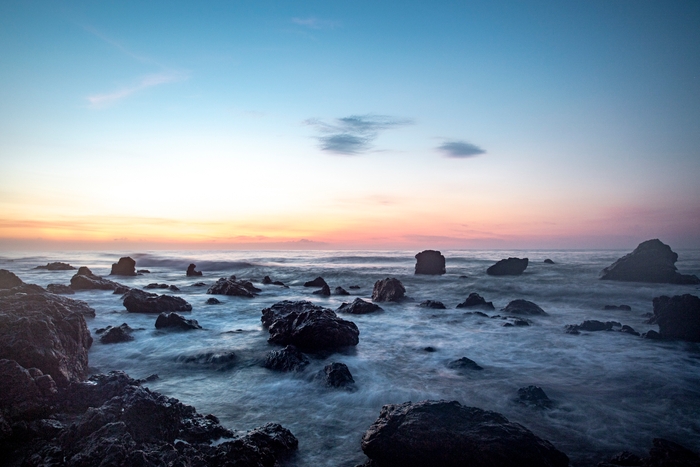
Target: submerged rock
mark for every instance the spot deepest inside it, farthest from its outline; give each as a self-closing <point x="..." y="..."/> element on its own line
<point x="618" y="307"/>
<point x="60" y="289"/>
<point x="233" y="287"/>
<point x="336" y="375"/>
<point x="548" y="261"/>
<point x="652" y="261"/>
<point x="191" y="271"/>
<point x="474" y="300"/>
<point x="430" y="262"/>
<point x="218" y="359"/>
<point x="533" y="396"/>
<point x="523" y="307"/>
<point x="287" y="359"/>
<point x="464" y="363"/>
<point x="678" y="317"/>
<point x="448" y="434"/>
<point x="138" y="301"/>
<point x="433" y="304"/>
<point x="388" y="290"/>
<point x="155" y="285"/>
<point x="212" y="301"/>
<point x="591" y="325"/>
<point x="9" y="280"/>
<point x="84" y="279"/>
<point x="125" y="267"/>
<point x="56" y="266"/>
<point x="318" y="282"/>
<point x="358" y="307"/>
<point x="508" y="267"/>
<point x="116" y="334"/>
<point x="173" y="320"/>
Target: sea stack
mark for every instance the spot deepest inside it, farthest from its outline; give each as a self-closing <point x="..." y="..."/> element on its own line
<point x="430" y="262"/>
<point x="652" y="261"/>
<point x="125" y="267"/>
<point x="191" y="271"/>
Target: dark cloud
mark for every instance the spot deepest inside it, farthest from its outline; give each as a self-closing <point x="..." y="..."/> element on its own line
<point x="354" y="134"/>
<point x="460" y="149"/>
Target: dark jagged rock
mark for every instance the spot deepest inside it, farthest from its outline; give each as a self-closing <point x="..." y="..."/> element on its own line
<point x="266" y="280"/>
<point x="307" y="326"/>
<point x="514" y="321"/>
<point x="474" y="300"/>
<point x="124" y="267"/>
<point x="9" y="280"/>
<point x="173" y="320"/>
<point x="464" y="363"/>
<point x="628" y="330"/>
<point x="318" y="282"/>
<point x="191" y="271"/>
<point x="233" y="287"/>
<point x="56" y="266"/>
<point x="448" y="434"/>
<point x="340" y="291"/>
<point x="212" y="301"/>
<point x="24" y="394"/>
<point x="287" y="359"/>
<point x="117" y="334"/>
<point x="548" y="261"/>
<point x="430" y="262"/>
<point x="84" y="279"/>
<point x="156" y="285"/>
<point x="280" y="283"/>
<point x="358" y="307"/>
<point x="533" y="396"/>
<point x="652" y="261"/>
<point x="336" y="375"/>
<point x="138" y="301"/>
<point x="173" y="288"/>
<point x="617" y="307"/>
<point x="651" y="334"/>
<point x="664" y="453"/>
<point x="591" y="325"/>
<point x="59" y="289"/>
<point x="508" y="267"/>
<point x="121" y="290"/>
<point x="324" y="291"/>
<point x="388" y="290"/>
<point x="433" y="304"/>
<point x="45" y="331"/>
<point x="678" y="317"/>
<point x="219" y="360"/>
<point x="523" y="307"/>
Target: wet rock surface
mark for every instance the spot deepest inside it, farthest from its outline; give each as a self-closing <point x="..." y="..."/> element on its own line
<point x="124" y="267"/>
<point x="474" y="300"/>
<point x="56" y="266"/>
<point x="324" y="291"/>
<point x="358" y="307"/>
<point x="175" y="321"/>
<point x="433" y="304"/>
<point x="212" y="301"/>
<point x="116" y="334"/>
<point x="388" y="290"/>
<point x="340" y="291"/>
<point x="524" y="307"/>
<point x="463" y="364"/>
<point x="337" y="375"/>
<point x="533" y="396"/>
<point x="232" y="286"/>
<point x="430" y="262"/>
<point x="219" y="360"/>
<point x="138" y="301"/>
<point x="318" y="282"/>
<point x="652" y="261"/>
<point x="287" y="359"/>
<point x="192" y="272"/>
<point x="508" y="267"/>
<point x="84" y="279"/>
<point x="678" y="317"/>
<point x="60" y="289"/>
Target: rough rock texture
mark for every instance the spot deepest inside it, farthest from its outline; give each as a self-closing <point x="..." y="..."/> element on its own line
<point x="124" y="267"/>
<point x="474" y="300"/>
<point x="173" y="320"/>
<point x="116" y="334"/>
<point x="358" y="307"/>
<point x="46" y="331"/>
<point x="448" y="434"/>
<point x="464" y="363"/>
<point x="191" y="272"/>
<point x="678" y="317"/>
<point x="533" y="396"/>
<point x="433" y="304"/>
<point x="307" y="326"/>
<point x="508" y="267"/>
<point x="336" y="375"/>
<point x="664" y="454"/>
<point x="430" y="262"/>
<point x="60" y="289"/>
<point x="318" y="282"/>
<point x="651" y="261"/>
<point x="138" y="301"/>
<point x="233" y="287"/>
<point x="388" y="290"/>
<point x="24" y="393"/>
<point x="523" y="307"/>
<point x="324" y="291"/>
<point x="287" y="359"/>
<point x="340" y="291"/>
<point x="9" y="280"/>
<point x="56" y="266"/>
<point x="84" y="279"/>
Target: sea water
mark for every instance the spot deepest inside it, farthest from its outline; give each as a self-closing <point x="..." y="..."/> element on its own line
<point x="611" y="391"/>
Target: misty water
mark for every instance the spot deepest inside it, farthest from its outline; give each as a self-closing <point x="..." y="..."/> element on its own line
<point x="612" y="391"/>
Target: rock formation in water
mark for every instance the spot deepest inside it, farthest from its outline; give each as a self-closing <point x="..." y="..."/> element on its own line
<point x="324" y="291"/>
<point x="508" y="267"/>
<point x="432" y="304"/>
<point x="336" y="375"/>
<point x="464" y="363"/>
<point x="430" y="262"/>
<point x="678" y="317"/>
<point x="287" y="359"/>
<point x="524" y="307"/>
<point x="138" y="301"/>
<point x="56" y="266"/>
<point x="474" y="300"/>
<point x="340" y="291"/>
<point x="233" y="287"/>
<point x="318" y="282"/>
<point x="652" y="261"/>
<point x="191" y="271"/>
<point x="358" y="307"/>
<point x="60" y="289"/>
<point x="124" y="267"/>
<point x="84" y="279"/>
<point x="175" y="321"/>
<point x="116" y="334"/>
<point x="388" y="290"/>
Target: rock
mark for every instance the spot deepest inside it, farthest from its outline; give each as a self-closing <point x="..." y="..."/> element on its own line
<point x="173" y="288"/>
<point x="358" y="307"/>
<point x="652" y="261"/>
<point x="618" y="307"/>
<point x="388" y="290"/>
<point x="219" y="360"/>
<point x="56" y="266"/>
<point x="678" y="317"/>
<point x="233" y="287"/>
<point x="266" y="280"/>
<point x="138" y="301"/>
<point x="24" y="394"/>
<point x="199" y="284"/>
<point x="45" y="331"/>
<point x="173" y="320"/>
<point x="476" y="313"/>
<point x="548" y="261"/>
<point x="114" y="335"/>
<point x="9" y="280"/>
<point x="191" y="271"/>
<point x="84" y="279"/>
<point x="464" y="363"/>
<point x="60" y="289"/>
<point x="433" y="304"/>
<point x="212" y="301"/>
<point x="448" y="434"/>
<point x="629" y="330"/>
<point x="474" y="300"/>
<point x="340" y="291"/>
<point x="307" y="326"/>
<point x="318" y="282"/>
<point x="514" y="321"/>
<point x="336" y="375"/>
<point x="508" y="267"/>
<point x="523" y="307"/>
<point x="533" y="396"/>
<point x="155" y="285"/>
<point x="593" y="325"/>
<point x="324" y="291"/>
<point x="143" y="271"/>
<point x="664" y="454"/>
<point x="429" y="349"/>
<point x="125" y="267"/>
<point x="651" y="334"/>
<point x="121" y="290"/>
<point x="287" y="359"/>
<point x="354" y="287"/>
<point x="430" y="262"/>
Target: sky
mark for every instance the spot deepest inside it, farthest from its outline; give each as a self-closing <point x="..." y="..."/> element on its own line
<point x="372" y="125"/>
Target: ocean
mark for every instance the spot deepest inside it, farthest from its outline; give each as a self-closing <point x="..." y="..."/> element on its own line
<point x="611" y="391"/>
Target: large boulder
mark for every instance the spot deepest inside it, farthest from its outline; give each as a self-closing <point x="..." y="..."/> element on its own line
<point x="651" y="261"/>
<point x="8" y="279"/>
<point x="56" y="266"/>
<point x="138" y="301"/>
<point x="124" y="267"/>
<point x="508" y="267"/>
<point x="191" y="272"/>
<point x="678" y="317"/>
<point x="523" y="307"/>
<point x="287" y="359"/>
<point x="448" y="434"/>
<point x="307" y="326"/>
<point x="318" y="282"/>
<point x="358" y="307"/>
<point x="45" y="331"/>
<point x="84" y="279"/>
<point x="388" y="290"/>
<point x="175" y="321"/>
<point x="236" y="288"/>
<point x="430" y="262"/>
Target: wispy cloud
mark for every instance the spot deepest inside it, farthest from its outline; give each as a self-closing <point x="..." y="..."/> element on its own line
<point x="316" y="23"/>
<point x="460" y="149"/>
<point x="148" y="81"/>
<point x="354" y="134"/>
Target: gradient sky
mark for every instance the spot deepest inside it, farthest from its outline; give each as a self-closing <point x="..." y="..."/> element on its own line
<point x="349" y="125"/>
